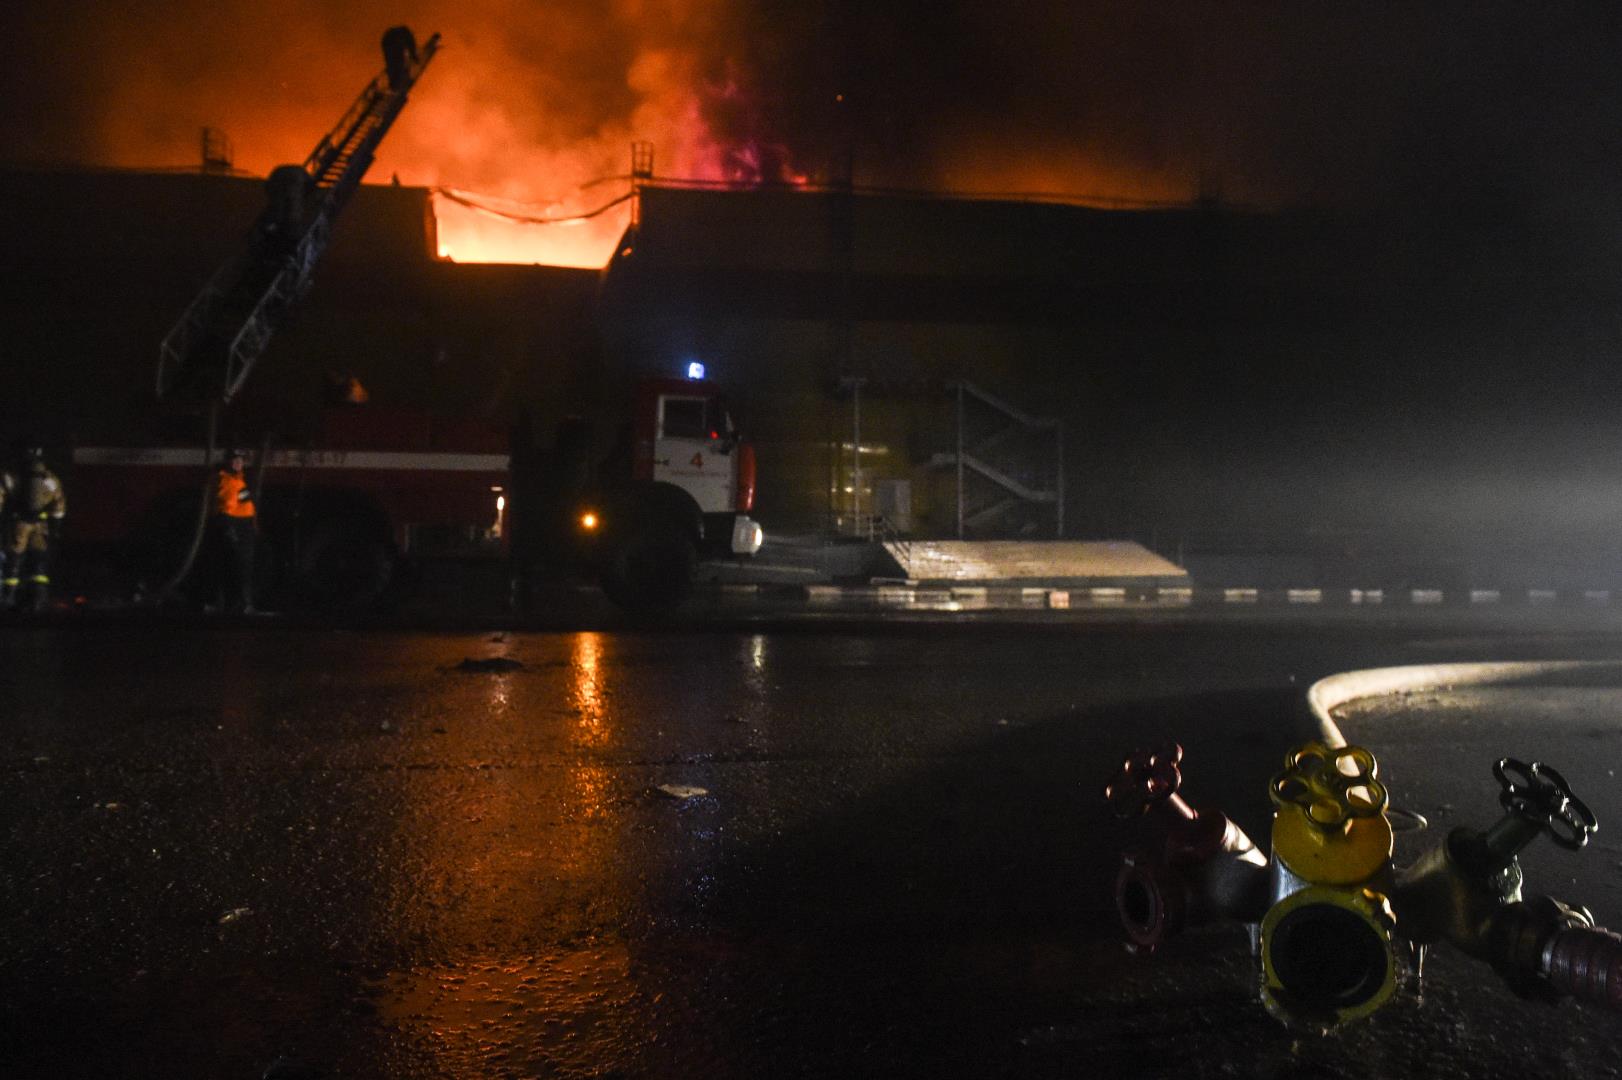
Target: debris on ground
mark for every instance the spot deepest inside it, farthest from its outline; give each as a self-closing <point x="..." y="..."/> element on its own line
<point x="680" y="791"/>
<point x="491" y="664"/>
<point x="286" y="1068"/>
<point x="234" y="914"/>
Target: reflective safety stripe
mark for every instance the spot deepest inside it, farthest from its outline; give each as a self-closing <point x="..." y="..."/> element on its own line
<point x="304" y="459"/>
<point x="40" y="579"/>
<point x="9" y="581"/>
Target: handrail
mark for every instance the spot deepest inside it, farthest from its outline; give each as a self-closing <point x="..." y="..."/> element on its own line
<point x="1036" y="422"/>
<point x="1001" y="479"/>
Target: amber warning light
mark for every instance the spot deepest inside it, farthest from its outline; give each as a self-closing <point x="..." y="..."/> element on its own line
<point x="588" y="521"/>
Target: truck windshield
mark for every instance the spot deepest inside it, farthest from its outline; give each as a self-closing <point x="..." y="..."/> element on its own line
<point x="695" y="418"/>
<point x="684" y="418"/>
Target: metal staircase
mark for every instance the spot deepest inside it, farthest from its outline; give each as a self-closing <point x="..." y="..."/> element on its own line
<point x="229" y="324"/>
<point x="1010" y="466"/>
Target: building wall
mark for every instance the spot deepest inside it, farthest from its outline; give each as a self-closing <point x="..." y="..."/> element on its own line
<point x="1220" y="374"/>
<point x="100" y="264"/>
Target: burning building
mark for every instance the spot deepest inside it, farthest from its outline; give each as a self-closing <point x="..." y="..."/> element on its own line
<point x="1199" y="377"/>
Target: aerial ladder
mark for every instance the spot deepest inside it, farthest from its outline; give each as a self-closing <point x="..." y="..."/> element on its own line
<point x="229" y="325"/>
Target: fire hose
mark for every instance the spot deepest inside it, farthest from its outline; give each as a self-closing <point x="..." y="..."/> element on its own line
<point x="1335" y="925"/>
<point x="205" y="503"/>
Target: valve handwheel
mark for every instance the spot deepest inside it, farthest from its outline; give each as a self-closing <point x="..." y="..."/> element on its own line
<point x="1146" y="779"/>
<point x="1538" y="794"/>
<point x="1331" y="784"/>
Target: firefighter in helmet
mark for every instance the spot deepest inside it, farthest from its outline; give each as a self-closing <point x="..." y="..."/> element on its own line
<point x="34" y="502"/>
<point x="235" y="529"/>
<point x="399" y="53"/>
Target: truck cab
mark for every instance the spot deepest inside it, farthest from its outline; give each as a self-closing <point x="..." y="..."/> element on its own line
<point x="684" y="437"/>
<point x="679" y="487"/>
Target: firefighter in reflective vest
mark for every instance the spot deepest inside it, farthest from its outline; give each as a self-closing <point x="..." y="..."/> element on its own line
<point x="34" y="501"/>
<point x="234" y="533"/>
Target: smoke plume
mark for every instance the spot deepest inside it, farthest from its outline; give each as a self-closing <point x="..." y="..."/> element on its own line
<point x="533" y="105"/>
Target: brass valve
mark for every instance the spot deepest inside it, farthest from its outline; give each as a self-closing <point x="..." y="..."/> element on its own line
<point x="1467" y="889"/>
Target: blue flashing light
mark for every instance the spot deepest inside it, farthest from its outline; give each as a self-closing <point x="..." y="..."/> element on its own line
<point x="695" y="370"/>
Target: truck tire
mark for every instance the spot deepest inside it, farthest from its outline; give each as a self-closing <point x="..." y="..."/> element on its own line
<point x="344" y="570"/>
<point x="650" y="569"/>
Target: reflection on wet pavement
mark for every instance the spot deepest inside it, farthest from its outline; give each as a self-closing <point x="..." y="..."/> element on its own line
<point x="899" y="866"/>
<point x="489" y="1015"/>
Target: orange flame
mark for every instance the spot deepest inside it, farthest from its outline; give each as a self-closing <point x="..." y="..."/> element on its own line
<point x="454" y="135"/>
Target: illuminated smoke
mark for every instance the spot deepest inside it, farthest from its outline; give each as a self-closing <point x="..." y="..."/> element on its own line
<point x="534" y="104"/>
<point x="536" y="100"/>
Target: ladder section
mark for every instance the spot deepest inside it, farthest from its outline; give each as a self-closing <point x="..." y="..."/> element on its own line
<point x="1010" y="467"/>
<point x="230" y="323"/>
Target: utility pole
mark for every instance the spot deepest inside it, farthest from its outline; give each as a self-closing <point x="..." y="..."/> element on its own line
<point x="854" y="384"/>
<point x="960" y="459"/>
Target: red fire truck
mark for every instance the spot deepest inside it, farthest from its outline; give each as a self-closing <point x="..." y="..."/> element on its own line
<point x="339" y="519"/>
<point x="383" y="492"/>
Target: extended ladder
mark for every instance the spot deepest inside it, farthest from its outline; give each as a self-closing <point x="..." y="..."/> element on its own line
<point x="231" y="321"/>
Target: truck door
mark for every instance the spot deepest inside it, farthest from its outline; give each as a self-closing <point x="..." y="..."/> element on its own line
<point x="691" y="450"/>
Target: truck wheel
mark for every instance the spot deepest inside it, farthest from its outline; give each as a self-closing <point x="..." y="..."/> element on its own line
<point x="650" y="570"/>
<point x="343" y="571"/>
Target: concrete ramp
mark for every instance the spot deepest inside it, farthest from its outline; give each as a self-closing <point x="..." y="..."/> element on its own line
<point x="1065" y="562"/>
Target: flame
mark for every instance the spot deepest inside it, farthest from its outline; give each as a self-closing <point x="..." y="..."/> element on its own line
<point x="465" y="235"/>
<point x="456" y="138"/>
<point x="453" y="135"/>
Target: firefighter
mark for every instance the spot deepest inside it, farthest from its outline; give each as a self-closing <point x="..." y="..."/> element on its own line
<point x="399" y="53"/>
<point x="282" y="223"/>
<point x="34" y="502"/>
<point x="235" y="529"/>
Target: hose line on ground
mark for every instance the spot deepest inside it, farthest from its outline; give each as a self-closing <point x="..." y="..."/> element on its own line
<point x="204" y="504"/>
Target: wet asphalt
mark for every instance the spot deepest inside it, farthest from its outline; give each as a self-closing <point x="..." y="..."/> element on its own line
<point x="823" y="850"/>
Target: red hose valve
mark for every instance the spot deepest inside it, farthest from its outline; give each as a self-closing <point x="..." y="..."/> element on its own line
<point x="1148" y="780"/>
<point x="1202" y="867"/>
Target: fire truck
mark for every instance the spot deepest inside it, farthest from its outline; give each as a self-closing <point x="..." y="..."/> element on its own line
<point x="342" y="521"/>
<point x="381" y="494"/>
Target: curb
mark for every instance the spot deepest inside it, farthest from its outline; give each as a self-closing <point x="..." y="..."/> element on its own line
<point x="944" y="596"/>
